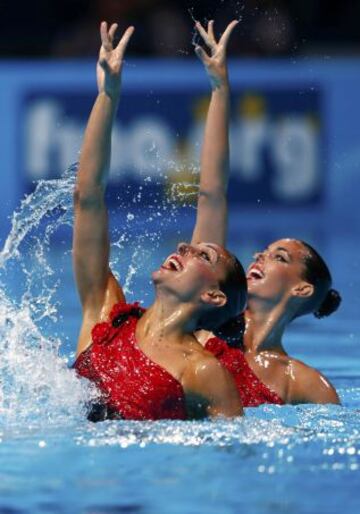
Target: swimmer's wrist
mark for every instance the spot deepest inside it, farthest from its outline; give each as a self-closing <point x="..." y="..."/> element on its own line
<point x="218" y="80"/>
<point x="110" y="86"/>
<point x="219" y="85"/>
<point x="113" y="96"/>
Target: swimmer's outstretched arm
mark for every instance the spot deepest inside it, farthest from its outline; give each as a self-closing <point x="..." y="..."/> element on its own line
<point x="98" y="289"/>
<point x="211" y="220"/>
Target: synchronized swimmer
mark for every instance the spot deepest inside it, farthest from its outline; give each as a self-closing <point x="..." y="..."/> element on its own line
<point x="166" y="362"/>
<point x="287" y="280"/>
<point x="147" y="365"/>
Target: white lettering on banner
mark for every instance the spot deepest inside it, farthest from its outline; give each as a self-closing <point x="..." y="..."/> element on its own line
<point x="40" y="130"/>
<point x="53" y="141"/>
<point x="249" y="139"/>
<point x="119" y="152"/>
<point x="149" y="146"/>
<point x="295" y="155"/>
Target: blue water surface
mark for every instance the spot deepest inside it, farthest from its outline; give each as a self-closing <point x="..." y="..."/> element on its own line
<point x="288" y="459"/>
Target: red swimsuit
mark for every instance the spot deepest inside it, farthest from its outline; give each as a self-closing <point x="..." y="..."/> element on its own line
<point x="133" y="387"/>
<point x="251" y="390"/>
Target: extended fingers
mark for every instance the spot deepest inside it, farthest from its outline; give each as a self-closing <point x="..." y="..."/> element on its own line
<point x="112" y="31"/>
<point x="121" y="47"/>
<point x="207" y="37"/>
<point x="203" y="56"/>
<point x="226" y="35"/>
<point x="105" y="40"/>
<point x="211" y="30"/>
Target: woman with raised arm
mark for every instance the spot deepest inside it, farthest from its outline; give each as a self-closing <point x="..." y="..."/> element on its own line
<point x="287" y="280"/>
<point x="146" y="364"/>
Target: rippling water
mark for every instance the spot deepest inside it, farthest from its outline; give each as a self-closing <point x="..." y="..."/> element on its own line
<point x="281" y="459"/>
<point x="277" y="459"/>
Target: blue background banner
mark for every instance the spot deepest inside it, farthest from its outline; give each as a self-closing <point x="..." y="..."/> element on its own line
<point x="277" y="138"/>
<point x="294" y="131"/>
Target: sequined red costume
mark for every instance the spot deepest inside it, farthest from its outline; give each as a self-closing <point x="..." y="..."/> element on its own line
<point x="132" y="386"/>
<point x="251" y="390"/>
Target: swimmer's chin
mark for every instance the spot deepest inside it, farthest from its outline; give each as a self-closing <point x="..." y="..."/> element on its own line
<point x="156" y="275"/>
<point x="161" y="277"/>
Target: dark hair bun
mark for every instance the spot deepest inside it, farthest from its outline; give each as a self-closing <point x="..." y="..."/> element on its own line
<point x="232" y="331"/>
<point x="329" y="305"/>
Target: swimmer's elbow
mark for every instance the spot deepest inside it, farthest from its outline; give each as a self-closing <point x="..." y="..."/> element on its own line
<point x="212" y="195"/>
<point x="85" y="196"/>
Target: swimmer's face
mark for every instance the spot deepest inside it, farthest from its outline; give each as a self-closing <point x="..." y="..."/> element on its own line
<point x="276" y="271"/>
<point x="192" y="270"/>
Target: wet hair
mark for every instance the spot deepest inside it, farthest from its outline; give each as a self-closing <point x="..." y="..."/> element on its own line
<point x="326" y="300"/>
<point x="234" y="285"/>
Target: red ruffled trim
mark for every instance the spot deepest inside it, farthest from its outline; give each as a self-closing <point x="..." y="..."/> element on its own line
<point x="125" y="308"/>
<point x="101" y="332"/>
<point x="104" y="332"/>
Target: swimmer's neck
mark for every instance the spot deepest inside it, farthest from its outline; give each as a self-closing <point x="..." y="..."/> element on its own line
<point x="265" y="327"/>
<point x="168" y="319"/>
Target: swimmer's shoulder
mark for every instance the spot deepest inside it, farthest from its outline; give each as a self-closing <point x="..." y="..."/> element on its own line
<point x="309" y="385"/>
<point x="208" y="378"/>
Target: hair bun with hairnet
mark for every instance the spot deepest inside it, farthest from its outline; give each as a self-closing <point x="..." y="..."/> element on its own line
<point x="329" y="305"/>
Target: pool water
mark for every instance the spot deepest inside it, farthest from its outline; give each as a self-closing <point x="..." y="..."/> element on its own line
<point x="296" y="459"/>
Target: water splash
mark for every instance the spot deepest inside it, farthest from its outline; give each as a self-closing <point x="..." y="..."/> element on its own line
<point x="51" y="197"/>
<point x="36" y="385"/>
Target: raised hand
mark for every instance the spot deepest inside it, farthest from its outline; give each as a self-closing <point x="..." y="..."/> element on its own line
<point x="111" y="59"/>
<point x="215" y="63"/>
